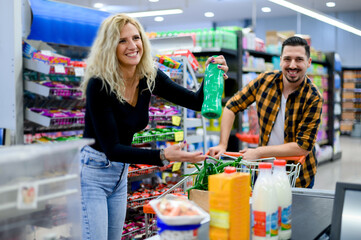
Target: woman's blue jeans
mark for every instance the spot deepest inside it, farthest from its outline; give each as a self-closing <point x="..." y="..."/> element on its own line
<point x="104" y="195"/>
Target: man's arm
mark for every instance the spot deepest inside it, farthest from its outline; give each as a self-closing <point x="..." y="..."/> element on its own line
<point x="283" y="150"/>
<point x="226" y="125"/>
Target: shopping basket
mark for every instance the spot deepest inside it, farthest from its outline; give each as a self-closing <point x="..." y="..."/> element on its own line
<point x="293" y="165"/>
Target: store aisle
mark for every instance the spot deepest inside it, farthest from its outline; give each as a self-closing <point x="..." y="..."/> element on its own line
<point x="346" y="169"/>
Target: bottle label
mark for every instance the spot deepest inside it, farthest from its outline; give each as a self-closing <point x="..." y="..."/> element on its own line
<point x="260" y="228"/>
<point x="286" y="218"/>
<point x="219" y="218"/>
<point x="274" y="224"/>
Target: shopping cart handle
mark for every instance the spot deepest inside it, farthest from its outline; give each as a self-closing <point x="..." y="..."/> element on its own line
<point x="300" y="159"/>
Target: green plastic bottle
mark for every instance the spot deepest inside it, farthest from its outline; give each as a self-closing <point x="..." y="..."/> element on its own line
<point x="213" y="90"/>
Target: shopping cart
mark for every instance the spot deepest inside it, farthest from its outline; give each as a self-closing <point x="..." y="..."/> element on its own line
<point x="293" y="165"/>
<point x="150" y="218"/>
<point x="293" y="168"/>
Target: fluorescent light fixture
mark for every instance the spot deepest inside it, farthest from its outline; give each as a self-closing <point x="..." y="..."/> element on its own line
<point x="209" y="14"/>
<point x="266" y="9"/>
<point x="155" y="13"/>
<point x="330" y="4"/>
<point x="153" y="0"/>
<point x="319" y="16"/>
<point x="98" y="5"/>
<point x="159" y="19"/>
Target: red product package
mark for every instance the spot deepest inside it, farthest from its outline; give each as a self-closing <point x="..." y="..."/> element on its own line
<point x="191" y="58"/>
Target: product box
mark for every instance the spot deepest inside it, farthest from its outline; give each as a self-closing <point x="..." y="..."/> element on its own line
<point x="276" y="38"/>
<point x="186" y="53"/>
<point x="32" y="46"/>
<point x="201" y="198"/>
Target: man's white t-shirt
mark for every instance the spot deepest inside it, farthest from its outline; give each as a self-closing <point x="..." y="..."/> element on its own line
<point x="277" y="134"/>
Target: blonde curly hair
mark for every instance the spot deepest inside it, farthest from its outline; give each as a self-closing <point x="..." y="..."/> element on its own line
<point x="102" y="61"/>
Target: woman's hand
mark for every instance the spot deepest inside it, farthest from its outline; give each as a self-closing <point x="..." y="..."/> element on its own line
<point x="175" y="153"/>
<point x="222" y="64"/>
<point x="217" y="151"/>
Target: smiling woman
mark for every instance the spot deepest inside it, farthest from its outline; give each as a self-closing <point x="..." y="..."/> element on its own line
<point x="119" y="81"/>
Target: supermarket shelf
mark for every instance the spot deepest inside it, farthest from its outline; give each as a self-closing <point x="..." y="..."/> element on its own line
<point x="358" y="90"/>
<point x="47" y="91"/>
<point x="252" y="70"/>
<point x="351" y="109"/>
<point x="45" y="68"/>
<point x="351" y="100"/>
<point x="47" y="121"/>
<point x="319" y="62"/>
<point x="214" y="50"/>
<point x="193" y="122"/>
<point x="262" y="54"/>
<point x="352" y="80"/>
<point x="317" y="74"/>
<point x="194" y="139"/>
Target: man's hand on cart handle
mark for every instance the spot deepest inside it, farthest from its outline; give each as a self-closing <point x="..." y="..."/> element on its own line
<point x="300" y="159"/>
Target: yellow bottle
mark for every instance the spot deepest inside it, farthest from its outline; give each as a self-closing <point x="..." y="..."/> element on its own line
<point x="229" y="205"/>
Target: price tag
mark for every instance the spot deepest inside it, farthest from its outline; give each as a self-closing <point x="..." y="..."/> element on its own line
<point x="46" y="52"/>
<point x="27" y="196"/>
<point x="176" y="120"/>
<point x="176" y="166"/>
<point x="178" y="136"/>
<point x="59" y="68"/>
<point x="79" y="72"/>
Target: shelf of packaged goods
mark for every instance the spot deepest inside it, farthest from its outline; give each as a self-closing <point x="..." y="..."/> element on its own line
<point x="322" y="62"/>
<point x="171" y="136"/>
<point x="45" y="91"/>
<point x="357" y="90"/>
<point x="351" y="100"/>
<point x="45" y="68"/>
<point x="13" y="188"/>
<point x="147" y="171"/>
<point x="261" y="54"/>
<point x="167" y="120"/>
<point x="323" y="142"/>
<point x="317" y="74"/>
<point x="252" y="70"/>
<point x="352" y="80"/>
<point x="214" y="50"/>
<point x="48" y="121"/>
<point x="351" y="109"/>
<point x="194" y="139"/>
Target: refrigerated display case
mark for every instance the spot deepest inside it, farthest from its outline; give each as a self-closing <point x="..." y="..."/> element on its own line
<point x="40" y="191"/>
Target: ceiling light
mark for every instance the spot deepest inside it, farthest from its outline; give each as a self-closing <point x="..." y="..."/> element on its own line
<point x="98" y="5"/>
<point x="153" y="0"/>
<point x="319" y="16"/>
<point x="159" y="19"/>
<point x="155" y="13"/>
<point x="266" y="9"/>
<point x="209" y="14"/>
<point x="330" y="4"/>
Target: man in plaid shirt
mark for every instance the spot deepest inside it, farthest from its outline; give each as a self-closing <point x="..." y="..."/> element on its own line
<point x="289" y="110"/>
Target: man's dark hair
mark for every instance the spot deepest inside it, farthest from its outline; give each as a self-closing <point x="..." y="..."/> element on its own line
<point x="296" y="41"/>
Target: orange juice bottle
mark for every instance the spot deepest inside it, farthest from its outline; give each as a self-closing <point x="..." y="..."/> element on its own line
<point x="229" y="205"/>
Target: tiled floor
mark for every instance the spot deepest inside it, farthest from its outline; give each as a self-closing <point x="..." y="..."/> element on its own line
<point x="346" y="169"/>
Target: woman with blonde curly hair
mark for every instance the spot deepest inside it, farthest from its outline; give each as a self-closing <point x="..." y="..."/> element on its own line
<point x="119" y="80"/>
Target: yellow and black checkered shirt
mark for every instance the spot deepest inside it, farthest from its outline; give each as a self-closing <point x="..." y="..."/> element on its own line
<point x="302" y="114"/>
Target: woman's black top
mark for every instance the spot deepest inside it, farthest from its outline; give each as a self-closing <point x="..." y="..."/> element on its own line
<point x="112" y="124"/>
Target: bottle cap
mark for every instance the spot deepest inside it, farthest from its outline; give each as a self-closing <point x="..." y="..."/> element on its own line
<point x="265" y="165"/>
<point x="229" y="169"/>
<point x="279" y="162"/>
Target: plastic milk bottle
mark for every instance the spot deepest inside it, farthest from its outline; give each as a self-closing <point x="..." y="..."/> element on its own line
<point x="284" y="196"/>
<point x="264" y="205"/>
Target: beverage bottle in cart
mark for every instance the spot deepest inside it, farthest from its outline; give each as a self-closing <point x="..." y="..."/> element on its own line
<point x="264" y="205"/>
<point x="213" y="90"/>
<point x="284" y="196"/>
<point x="229" y="205"/>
